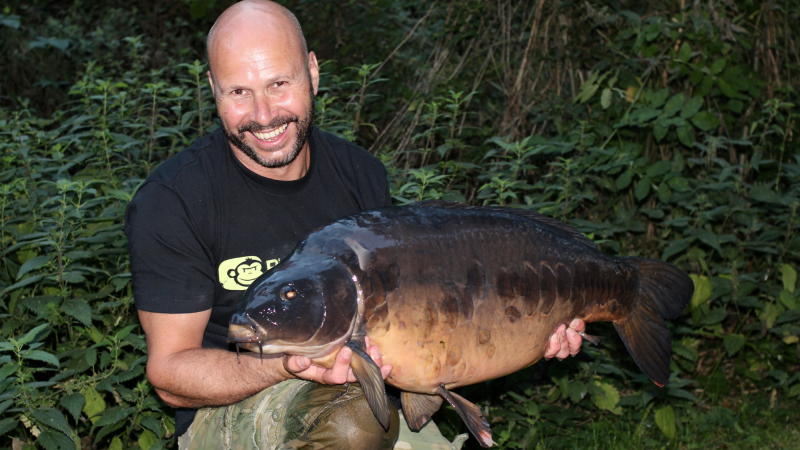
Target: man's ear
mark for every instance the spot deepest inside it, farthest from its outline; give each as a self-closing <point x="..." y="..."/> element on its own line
<point x="313" y="70"/>
<point x="211" y="82"/>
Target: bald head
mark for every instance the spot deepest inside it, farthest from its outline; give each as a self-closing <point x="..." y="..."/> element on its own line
<point x="251" y="20"/>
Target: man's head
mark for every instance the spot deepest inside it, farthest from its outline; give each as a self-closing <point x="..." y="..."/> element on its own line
<point x="264" y="81"/>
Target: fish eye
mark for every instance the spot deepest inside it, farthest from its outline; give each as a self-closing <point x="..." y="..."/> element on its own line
<point x="288" y="293"/>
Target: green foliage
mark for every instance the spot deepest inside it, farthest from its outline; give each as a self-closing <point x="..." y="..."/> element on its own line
<point x="667" y="135"/>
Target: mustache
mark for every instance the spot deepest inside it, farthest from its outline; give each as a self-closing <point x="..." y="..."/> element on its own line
<point x="255" y="127"/>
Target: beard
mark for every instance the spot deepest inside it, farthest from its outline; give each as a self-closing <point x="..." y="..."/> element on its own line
<point x="303" y="125"/>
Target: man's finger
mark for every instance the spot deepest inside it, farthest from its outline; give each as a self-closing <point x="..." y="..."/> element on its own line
<point x="295" y="364"/>
<point x="338" y="374"/>
<point x="553" y="346"/>
<point x="578" y="325"/>
<point x="563" y="351"/>
<point x="574" y="341"/>
<point x="386" y="370"/>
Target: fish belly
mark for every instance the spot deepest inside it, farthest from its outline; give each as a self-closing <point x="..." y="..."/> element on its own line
<point x="467" y="302"/>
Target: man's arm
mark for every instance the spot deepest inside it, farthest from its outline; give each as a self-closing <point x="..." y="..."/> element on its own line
<point x="185" y="375"/>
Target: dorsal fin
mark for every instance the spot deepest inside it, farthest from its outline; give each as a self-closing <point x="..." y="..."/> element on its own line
<point x="526" y="213"/>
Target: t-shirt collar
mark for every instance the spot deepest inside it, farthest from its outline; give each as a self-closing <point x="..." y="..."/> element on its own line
<point x="278" y="186"/>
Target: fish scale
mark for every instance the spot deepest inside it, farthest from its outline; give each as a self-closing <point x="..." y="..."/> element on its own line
<point x="453" y="295"/>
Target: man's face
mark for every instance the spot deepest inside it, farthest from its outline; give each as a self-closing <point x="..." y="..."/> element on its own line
<point x="264" y="90"/>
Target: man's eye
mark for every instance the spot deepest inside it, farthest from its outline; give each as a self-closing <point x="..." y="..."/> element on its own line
<point x="238" y="92"/>
<point x="279" y="83"/>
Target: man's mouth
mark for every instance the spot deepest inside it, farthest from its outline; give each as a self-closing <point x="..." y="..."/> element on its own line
<point x="272" y="135"/>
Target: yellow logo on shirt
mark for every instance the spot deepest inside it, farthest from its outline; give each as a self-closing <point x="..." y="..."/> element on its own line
<point x="237" y="274"/>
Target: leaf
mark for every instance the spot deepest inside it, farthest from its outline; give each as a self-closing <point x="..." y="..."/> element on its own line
<point x="665" y="419"/>
<point x="686" y="135"/>
<point x="74" y="404"/>
<point x="123" y="333"/>
<point x="39" y="355"/>
<point x="679" y="184"/>
<point x="718" y="65"/>
<point x="728" y="89"/>
<point x="787" y="299"/>
<point x="7" y="425"/>
<point x="78" y="309"/>
<point x="112" y="416"/>
<point x="771" y="313"/>
<point x="674" y="105"/>
<point x="116" y="444"/>
<point x="659" y="131"/>
<point x="625" y="179"/>
<point x="73" y="277"/>
<point x="146" y="440"/>
<point x="51" y="440"/>
<point x="33" y="264"/>
<point x="702" y="290"/>
<point x="789" y="276"/>
<point x="10" y="21"/>
<point x="94" y="403"/>
<point x="152" y="424"/>
<point x="675" y="248"/>
<point x="23" y="283"/>
<point x="605" y="98"/>
<point x="642" y="188"/>
<point x="691" y="107"/>
<point x="664" y="193"/>
<point x="659" y="97"/>
<point x="714" y="317"/>
<point x="710" y="239"/>
<point x="659" y="168"/>
<point x="30" y="335"/>
<point x="4" y="406"/>
<point x="764" y="194"/>
<point x="52" y="418"/>
<point x="705" y="121"/>
<point x="684" y="351"/>
<point x="733" y="343"/>
<point x="685" y="53"/>
<point x="7" y="370"/>
<point x="577" y="391"/>
<point x="606" y="397"/>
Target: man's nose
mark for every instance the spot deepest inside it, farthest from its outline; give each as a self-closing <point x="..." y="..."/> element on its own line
<point x="265" y="109"/>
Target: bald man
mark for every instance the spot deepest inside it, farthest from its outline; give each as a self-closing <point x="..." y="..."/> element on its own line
<point x="211" y="219"/>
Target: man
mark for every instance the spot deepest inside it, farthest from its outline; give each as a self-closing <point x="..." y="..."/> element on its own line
<point x="228" y="208"/>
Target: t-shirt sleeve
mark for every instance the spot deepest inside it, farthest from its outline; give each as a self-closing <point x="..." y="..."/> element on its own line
<point x="171" y="267"/>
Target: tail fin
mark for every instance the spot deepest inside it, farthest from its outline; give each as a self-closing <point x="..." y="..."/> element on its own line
<point x="665" y="291"/>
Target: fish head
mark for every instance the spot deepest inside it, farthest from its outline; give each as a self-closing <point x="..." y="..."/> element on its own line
<point x="303" y="306"/>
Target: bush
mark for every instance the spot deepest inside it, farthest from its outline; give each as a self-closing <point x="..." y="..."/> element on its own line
<point x="665" y="133"/>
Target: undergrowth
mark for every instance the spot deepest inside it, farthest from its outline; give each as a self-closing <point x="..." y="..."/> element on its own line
<point x="667" y="132"/>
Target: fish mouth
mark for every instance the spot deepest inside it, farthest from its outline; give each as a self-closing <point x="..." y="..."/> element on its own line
<point x="253" y="337"/>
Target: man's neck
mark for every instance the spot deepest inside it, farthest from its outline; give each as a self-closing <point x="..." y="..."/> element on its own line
<point x="292" y="171"/>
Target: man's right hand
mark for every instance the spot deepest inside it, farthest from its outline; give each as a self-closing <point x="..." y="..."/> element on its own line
<point x="339" y="373"/>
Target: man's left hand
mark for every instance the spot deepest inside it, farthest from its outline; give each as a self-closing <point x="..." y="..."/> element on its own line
<point x="340" y="372"/>
<point x="565" y="341"/>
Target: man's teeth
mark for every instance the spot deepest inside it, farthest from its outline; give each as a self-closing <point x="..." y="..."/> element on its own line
<point x="272" y="134"/>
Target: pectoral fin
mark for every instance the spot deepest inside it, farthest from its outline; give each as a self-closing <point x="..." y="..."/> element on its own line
<point x="418" y="408"/>
<point x="596" y="340"/>
<point x="471" y="415"/>
<point x="369" y="376"/>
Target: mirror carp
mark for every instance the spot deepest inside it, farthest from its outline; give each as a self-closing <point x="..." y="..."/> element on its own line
<point x="454" y="295"/>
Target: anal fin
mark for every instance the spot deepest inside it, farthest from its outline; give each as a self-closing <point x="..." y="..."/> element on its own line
<point x="369" y="376"/>
<point x="418" y="408"/>
<point x="470" y="414"/>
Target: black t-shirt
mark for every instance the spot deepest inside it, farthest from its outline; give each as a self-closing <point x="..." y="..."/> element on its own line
<point x="203" y="226"/>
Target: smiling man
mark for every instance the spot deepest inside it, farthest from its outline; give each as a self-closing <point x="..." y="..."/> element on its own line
<point x="231" y="206"/>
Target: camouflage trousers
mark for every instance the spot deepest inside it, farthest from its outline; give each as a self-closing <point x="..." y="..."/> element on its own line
<point x="300" y="415"/>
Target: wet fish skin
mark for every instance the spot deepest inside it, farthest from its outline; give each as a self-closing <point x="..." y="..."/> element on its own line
<point x="456" y="295"/>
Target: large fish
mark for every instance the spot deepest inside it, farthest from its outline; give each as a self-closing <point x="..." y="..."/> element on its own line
<point x="453" y="295"/>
